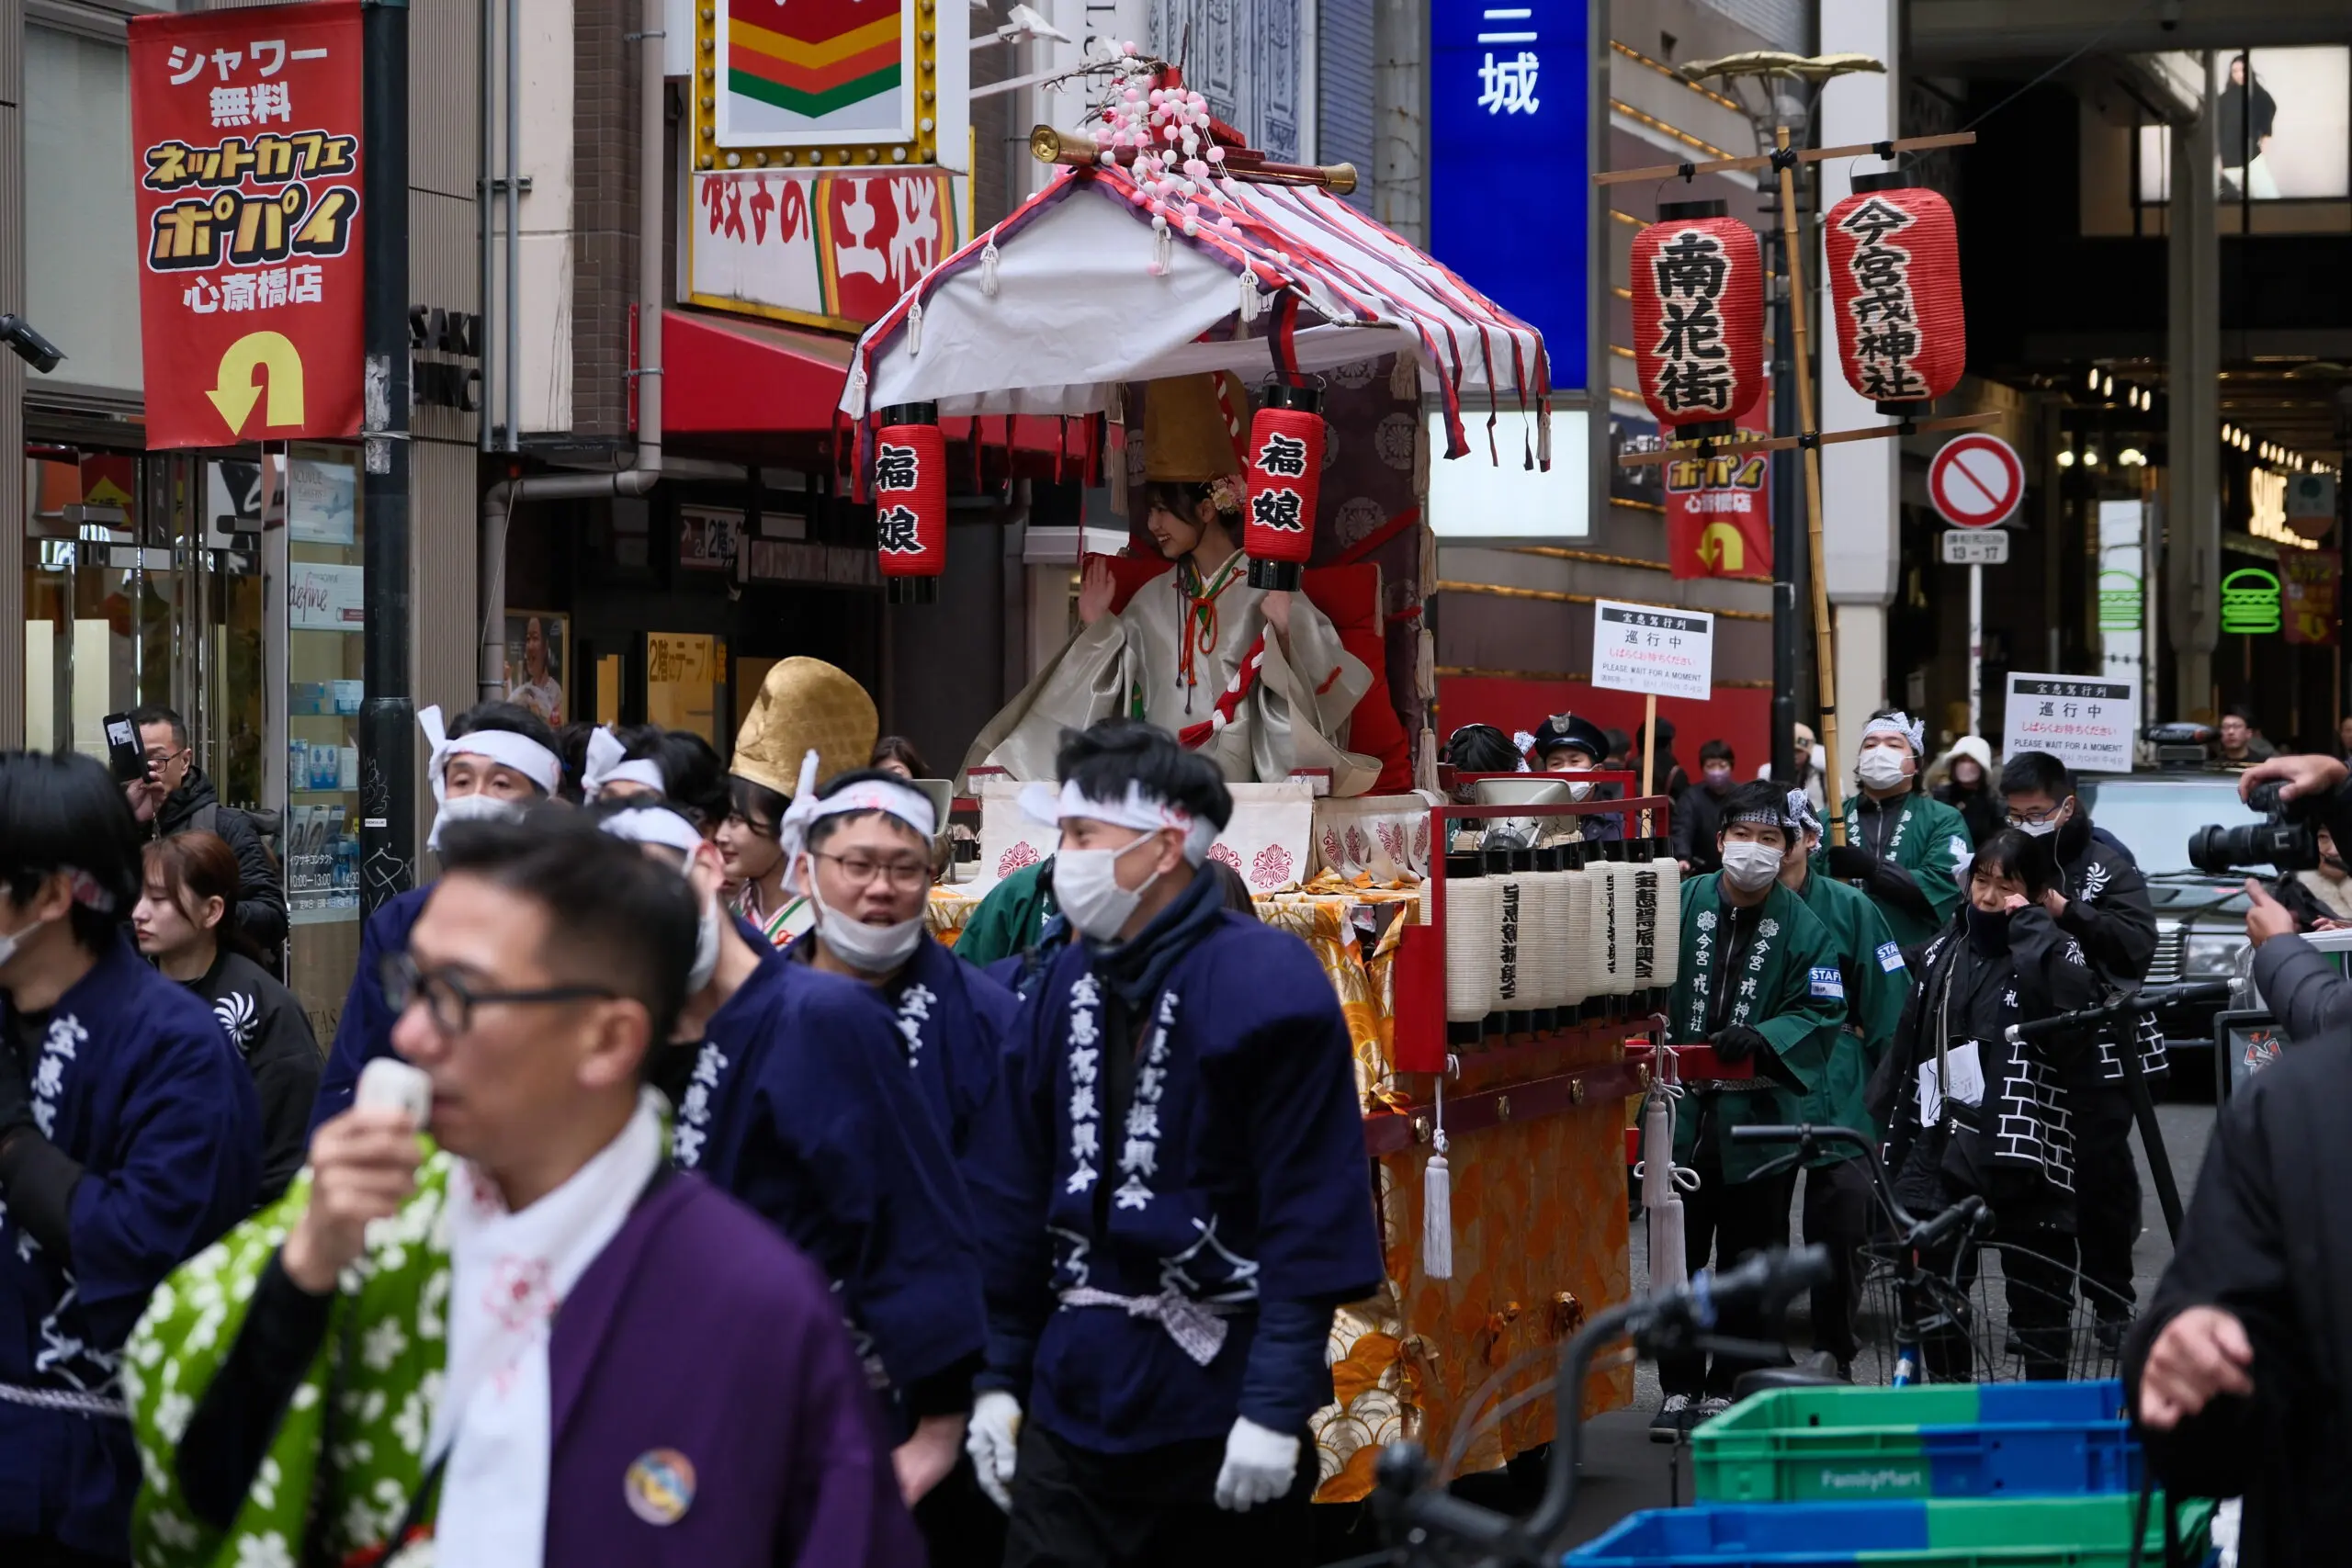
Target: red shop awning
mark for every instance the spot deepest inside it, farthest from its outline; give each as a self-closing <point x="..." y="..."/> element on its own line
<point x="725" y="375"/>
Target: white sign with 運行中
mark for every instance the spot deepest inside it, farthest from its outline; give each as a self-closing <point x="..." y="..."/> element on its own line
<point x="1650" y="648"/>
<point x="2086" y="724"/>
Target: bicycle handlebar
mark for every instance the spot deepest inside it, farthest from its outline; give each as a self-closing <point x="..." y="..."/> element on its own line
<point x="1918" y="1234"/>
<point x="2130" y="1004"/>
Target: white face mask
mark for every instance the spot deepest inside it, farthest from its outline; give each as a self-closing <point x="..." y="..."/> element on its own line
<point x="1880" y="767"/>
<point x="11" y="941"/>
<point x="2042" y="828"/>
<point x="1748" y="866"/>
<point x="1580" y="791"/>
<point x="1086" y="884"/>
<point x="472" y="808"/>
<point x="876" y="950"/>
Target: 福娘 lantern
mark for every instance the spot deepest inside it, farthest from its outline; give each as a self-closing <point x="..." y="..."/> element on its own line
<point x="1698" y="286"/>
<point x="1285" y="475"/>
<point x="1893" y="259"/>
<point x="910" y="501"/>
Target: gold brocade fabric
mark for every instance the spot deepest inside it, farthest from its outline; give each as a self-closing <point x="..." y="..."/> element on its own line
<point x="1540" y="1235"/>
<point x="947" y="913"/>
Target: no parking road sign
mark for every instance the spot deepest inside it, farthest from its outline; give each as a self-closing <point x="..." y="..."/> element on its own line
<point x="1977" y="480"/>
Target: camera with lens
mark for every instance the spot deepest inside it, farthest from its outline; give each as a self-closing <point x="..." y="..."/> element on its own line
<point x="2287" y="840"/>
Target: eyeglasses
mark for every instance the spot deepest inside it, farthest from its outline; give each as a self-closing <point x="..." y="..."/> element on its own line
<point x="449" y="1001"/>
<point x="2021" y="818"/>
<point x="165" y="759"/>
<point x="904" y="874"/>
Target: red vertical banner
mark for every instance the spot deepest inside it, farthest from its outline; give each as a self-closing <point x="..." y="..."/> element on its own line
<point x="2310" y="580"/>
<point x="1719" y="514"/>
<point x="245" y="133"/>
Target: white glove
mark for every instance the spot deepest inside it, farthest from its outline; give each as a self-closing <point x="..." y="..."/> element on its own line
<point x="992" y="1440"/>
<point x="1260" y="1465"/>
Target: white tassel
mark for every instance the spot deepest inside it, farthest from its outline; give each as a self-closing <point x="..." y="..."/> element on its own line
<point x="914" y="330"/>
<point x="1251" y="303"/>
<point x="1405" y="376"/>
<point x="988" y="267"/>
<point x="857" y="393"/>
<point x="1437" y="1200"/>
<point x="1425" y="669"/>
<point x="1163" y="248"/>
<point x="1425" y="778"/>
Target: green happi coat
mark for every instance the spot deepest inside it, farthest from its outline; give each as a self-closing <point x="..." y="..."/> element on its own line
<point x="1870" y="960"/>
<point x="1788" y="989"/>
<point x="1929" y="840"/>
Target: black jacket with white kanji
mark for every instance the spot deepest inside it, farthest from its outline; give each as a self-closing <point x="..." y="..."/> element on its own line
<point x="2016" y="1148"/>
<point x="2108" y="912"/>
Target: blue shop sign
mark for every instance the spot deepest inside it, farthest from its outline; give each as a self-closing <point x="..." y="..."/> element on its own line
<point x="1511" y="161"/>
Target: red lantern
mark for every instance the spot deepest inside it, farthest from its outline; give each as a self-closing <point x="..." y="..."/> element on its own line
<point x="1698" y="318"/>
<point x="1285" y="457"/>
<point x="1895" y="288"/>
<point x="910" y="501"/>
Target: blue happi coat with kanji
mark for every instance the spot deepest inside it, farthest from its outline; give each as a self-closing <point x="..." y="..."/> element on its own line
<point x="133" y="1079"/>
<point x="951" y="1021"/>
<point x="801" y="1105"/>
<point x="1223" y="1173"/>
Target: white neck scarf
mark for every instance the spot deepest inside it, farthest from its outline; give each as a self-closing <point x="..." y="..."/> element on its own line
<point x="509" y="1272"/>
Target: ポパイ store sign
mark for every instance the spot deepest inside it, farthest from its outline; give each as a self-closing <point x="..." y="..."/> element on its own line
<point x="244" y="131"/>
<point x="832" y="249"/>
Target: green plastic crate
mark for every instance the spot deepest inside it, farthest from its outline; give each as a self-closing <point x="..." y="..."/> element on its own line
<point x="1859" y="1445"/>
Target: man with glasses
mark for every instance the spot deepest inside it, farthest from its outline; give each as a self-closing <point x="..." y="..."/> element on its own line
<point x="2098" y="897"/>
<point x="528" y="1338"/>
<point x="810" y="721"/>
<point x="175" y="797"/>
<point x="862" y="847"/>
<point x="793" y="1093"/>
<point x="491" y="764"/>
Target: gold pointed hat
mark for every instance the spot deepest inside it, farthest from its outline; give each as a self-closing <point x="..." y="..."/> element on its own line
<point x="1188" y="436"/>
<point x="804" y="705"/>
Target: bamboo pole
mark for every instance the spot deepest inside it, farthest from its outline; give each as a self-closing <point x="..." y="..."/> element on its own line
<point x="1808" y="156"/>
<point x="1824" y="637"/>
<point x="1701" y="450"/>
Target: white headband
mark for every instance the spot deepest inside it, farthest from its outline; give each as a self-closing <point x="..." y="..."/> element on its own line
<point x="607" y="766"/>
<point x="1043" y="802"/>
<point x="1913" y="730"/>
<point x="654" y="825"/>
<point x="901" y="801"/>
<point x="505" y="747"/>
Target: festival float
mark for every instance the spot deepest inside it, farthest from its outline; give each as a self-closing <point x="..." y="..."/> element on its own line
<point x="1501" y="974"/>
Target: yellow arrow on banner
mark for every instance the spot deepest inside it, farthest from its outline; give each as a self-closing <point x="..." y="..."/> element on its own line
<point x="239" y="388"/>
<point x="1722" y="548"/>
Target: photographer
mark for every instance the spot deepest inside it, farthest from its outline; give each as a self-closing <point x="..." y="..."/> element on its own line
<point x="2308" y="995"/>
<point x="175" y="797"/>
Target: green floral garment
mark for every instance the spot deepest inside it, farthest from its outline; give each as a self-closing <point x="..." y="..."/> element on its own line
<point x="381" y="1365"/>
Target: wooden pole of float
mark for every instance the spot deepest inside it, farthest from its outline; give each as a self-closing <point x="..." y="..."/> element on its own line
<point x="1825" y="636"/>
<point x="1649" y="751"/>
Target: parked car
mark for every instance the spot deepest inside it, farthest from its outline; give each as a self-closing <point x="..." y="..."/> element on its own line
<point x="2201" y="918"/>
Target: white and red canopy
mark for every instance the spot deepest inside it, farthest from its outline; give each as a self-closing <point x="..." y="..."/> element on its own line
<point x="1074" y="294"/>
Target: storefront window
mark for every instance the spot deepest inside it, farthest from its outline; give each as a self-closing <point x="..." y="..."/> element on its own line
<point x="81" y="274"/>
<point x="325" y="612"/>
<point x="685" y="684"/>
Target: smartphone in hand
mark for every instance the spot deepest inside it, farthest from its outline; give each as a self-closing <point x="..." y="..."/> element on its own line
<point x="125" y="757"/>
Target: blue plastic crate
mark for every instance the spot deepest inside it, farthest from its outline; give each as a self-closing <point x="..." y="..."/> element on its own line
<point x="2034" y="1532"/>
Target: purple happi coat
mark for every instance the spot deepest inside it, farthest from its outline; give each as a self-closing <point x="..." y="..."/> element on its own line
<point x="700" y="1334"/>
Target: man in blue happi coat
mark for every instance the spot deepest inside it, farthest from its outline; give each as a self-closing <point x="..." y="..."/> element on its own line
<point x="860" y="851"/>
<point x="130" y="1138"/>
<point x="494" y="762"/>
<point x="1173" y="1194"/>
<point x="793" y="1095"/>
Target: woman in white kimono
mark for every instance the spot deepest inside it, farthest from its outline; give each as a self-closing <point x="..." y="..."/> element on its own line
<point x="1256" y="680"/>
